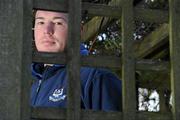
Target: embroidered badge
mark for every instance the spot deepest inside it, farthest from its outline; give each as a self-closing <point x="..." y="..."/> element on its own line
<point x="57" y="95"/>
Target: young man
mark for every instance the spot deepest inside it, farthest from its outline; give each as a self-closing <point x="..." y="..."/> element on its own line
<point x="101" y="90"/>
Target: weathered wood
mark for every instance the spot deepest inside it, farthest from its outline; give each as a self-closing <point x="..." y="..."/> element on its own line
<point x="49" y="58"/>
<point x="111" y="10"/>
<point x="92" y="27"/>
<point x="15" y="37"/>
<point x="101" y="61"/>
<point x="159" y="81"/>
<point x="101" y="10"/>
<point x="128" y="61"/>
<point x="163" y="105"/>
<point x="55" y="5"/>
<point x="152" y="41"/>
<point x="154" y="65"/>
<point x="48" y="113"/>
<point x="150" y="15"/>
<point x="153" y="116"/>
<point x="144" y="14"/>
<point x="73" y="60"/>
<point x="161" y="54"/>
<point x="26" y="61"/>
<point x="174" y="24"/>
<point x="54" y="113"/>
<point x="91" y="8"/>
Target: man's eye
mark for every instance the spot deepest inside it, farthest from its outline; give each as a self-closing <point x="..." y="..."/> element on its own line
<point x="58" y="23"/>
<point x="40" y="23"/>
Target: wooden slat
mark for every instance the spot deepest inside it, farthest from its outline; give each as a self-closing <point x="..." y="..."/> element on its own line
<point x="128" y="62"/>
<point x="49" y="58"/>
<point x="101" y="115"/>
<point x="55" y="113"/>
<point x="101" y="10"/>
<point x="163" y="103"/>
<point x="152" y="41"/>
<point x="101" y="61"/>
<point x="174" y="24"/>
<point x="55" y="5"/>
<point x="15" y="35"/>
<point x="144" y="14"/>
<point x="48" y="113"/>
<point x="92" y="27"/>
<point x="90" y="61"/>
<point x="150" y="15"/>
<point x="60" y="114"/>
<point x="26" y="59"/>
<point x="154" y="65"/>
<point x="153" y="116"/>
<point x="73" y="60"/>
<point x="161" y="54"/>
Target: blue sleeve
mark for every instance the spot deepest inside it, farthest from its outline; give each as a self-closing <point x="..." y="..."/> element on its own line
<point x="106" y="92"/>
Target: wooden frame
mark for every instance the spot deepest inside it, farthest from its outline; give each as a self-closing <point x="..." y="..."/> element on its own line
<point x="15" y="82"/>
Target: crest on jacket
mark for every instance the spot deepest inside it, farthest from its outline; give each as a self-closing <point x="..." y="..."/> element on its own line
<point x="57" y="95"/>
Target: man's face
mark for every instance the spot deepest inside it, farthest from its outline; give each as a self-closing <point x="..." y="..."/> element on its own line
<point x="50" y="31"/>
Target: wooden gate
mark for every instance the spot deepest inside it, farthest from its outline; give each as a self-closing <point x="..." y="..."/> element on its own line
<point x="16" y="57"/>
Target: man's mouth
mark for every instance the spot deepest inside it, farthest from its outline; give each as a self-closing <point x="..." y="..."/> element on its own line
<point x="48" y="42"/>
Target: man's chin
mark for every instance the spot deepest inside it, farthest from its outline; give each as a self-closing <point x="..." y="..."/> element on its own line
<point x="49" y="50"/>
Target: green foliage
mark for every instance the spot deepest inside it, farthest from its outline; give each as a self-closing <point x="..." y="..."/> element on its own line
<point x="112" y="44"/>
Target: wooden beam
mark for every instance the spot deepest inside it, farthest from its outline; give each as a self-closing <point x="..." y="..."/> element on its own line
<point x="92" y="27"/>
<point x="152" y="41"/>
<point x="59" y="113"/>
<point x="161" y="54"/>
<point x="174" y="23"/>
<point x="155" y="65"/>
<point x="102" y="10"/>
<point x="101" y="61"/>
<point x="128" y="62"/>
<point x="73" y="61"/>
<point x="113" y="10"/>
<point x="15" y="46"/>
<point x="26" y="46"/>
<point x="54" y="5"/>
<point x="151" y="15"/>
<point x="144" y="14"/>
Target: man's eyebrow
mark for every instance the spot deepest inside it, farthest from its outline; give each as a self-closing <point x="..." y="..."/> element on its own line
<point x="65" y="19"/>
<point x="39" y="18"/>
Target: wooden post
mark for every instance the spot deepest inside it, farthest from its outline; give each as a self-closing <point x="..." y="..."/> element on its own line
<point x="15" y="59"/>
<point x="128" y="63"/>
<point x="174" y="25"/>
<point x="73" y="57"/>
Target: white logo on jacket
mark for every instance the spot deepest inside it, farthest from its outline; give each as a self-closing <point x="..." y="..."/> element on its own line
<point x="57" y="95"/>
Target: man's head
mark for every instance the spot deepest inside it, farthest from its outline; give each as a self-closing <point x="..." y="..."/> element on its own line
<point x="50" y="31"/>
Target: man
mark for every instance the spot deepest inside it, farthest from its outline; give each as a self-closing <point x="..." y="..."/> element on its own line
<point x="101" y="90"/>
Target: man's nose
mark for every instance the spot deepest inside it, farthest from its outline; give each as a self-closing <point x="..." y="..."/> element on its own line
<point x="49" y="29"/>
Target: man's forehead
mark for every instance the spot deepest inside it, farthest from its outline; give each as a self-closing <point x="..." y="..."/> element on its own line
<point x="50" y="14"/>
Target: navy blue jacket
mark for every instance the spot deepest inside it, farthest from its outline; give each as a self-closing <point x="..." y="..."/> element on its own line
<point x="101" y="90"/>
